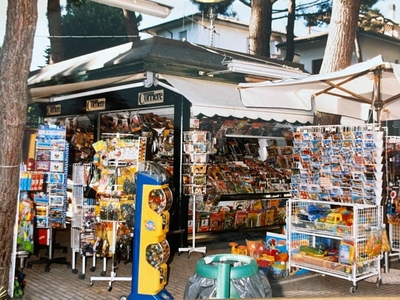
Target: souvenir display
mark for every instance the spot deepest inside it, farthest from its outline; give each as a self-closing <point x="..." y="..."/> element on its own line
<point x="335" y="220"/>
<point x="336" y="165"/>
<point x="50" y="176"/>
<point x="244" y="165"/>
<point x="102" y="224"/>
<point x="196" y="148"/>
<point x="157" y="130"/>
<point x="26" y="219"/>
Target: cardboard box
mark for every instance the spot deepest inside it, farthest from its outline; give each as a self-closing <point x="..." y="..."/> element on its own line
<point x="276" y="241"/>
<point x="279" y="242"/>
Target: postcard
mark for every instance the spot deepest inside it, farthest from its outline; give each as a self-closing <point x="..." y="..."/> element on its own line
<point x="56" y="155"/>
<point x="56" y="166"/>
<point x="56" y="200"/>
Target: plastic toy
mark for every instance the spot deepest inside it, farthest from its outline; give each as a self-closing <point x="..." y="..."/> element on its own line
<point x="238" y="249"/>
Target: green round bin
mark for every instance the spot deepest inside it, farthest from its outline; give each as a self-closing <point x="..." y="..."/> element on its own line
<point x="223" y="268"/>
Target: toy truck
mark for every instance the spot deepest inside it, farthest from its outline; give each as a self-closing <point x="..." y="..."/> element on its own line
<point x="337" y="220"/>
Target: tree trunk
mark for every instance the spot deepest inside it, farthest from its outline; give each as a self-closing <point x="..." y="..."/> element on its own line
<point x="131" y="25"/>
<point x="56" y="43"/>
<point x="260" y="27"/>
<point x="339" y="46"/>
<point x="15" y="60"/>
<point x="321" y="118"/>
<point x="342" y="33"/>
<point x="290" y="31"/>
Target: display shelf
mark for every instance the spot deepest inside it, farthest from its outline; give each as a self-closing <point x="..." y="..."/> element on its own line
<point x="193" y="248"/>
<point x="362" y="240"/>
<point x="244" y="136"/>
<point x="251" y="186"/>
<point x="334" y="217"/>
<point x="268" y="195"/>
<point x="241" y="211"/>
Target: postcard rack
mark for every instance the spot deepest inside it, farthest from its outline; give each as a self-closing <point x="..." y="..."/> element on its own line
<point x="196" y="151"/>
<point x="51" y="158"/>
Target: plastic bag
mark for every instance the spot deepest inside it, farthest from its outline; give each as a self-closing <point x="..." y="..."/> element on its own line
<point x="385" y="241"/>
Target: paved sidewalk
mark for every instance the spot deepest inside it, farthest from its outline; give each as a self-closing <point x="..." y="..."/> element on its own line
<point x="61" y="283"/>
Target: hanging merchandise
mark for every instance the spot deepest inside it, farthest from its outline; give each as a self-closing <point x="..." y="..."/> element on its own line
<point x="25" y="223"/>
<point x="156" y="129"/>
<point x="84" y="220"/>
<point x="393" y="162"/>
<point x="23" y="241"/>
<point x="112" y="176"/>
<point x="90" y="192"/>
<point x="392" y="202"/>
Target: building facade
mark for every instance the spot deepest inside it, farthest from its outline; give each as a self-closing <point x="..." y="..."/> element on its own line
<point x="215" y="31"/>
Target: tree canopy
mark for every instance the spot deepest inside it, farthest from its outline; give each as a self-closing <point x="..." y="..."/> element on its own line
<point x="222" y="8"/>
<point x="318" y="13"/>
<point x="91" y="27"/>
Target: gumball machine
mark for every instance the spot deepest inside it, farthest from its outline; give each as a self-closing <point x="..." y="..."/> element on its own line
<point x="150" y="246"/>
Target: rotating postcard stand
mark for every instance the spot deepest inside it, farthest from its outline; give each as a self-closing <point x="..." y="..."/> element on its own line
<point x="196" y="148"/>
<point x="150" y="246"/>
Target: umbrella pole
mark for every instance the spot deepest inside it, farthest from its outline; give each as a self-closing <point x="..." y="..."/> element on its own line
<point x="377" y="100"/>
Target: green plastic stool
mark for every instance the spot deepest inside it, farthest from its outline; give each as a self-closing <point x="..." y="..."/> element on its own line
<point x="222" y="268"/>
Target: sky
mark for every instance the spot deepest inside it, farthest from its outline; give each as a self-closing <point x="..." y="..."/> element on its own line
<point x="181" y="8"/>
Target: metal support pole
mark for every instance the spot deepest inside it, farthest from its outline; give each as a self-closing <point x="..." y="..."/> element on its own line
<point x="377" y="101"/>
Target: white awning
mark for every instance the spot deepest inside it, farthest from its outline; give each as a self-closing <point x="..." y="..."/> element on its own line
<point x="209" y="98"/>
<point x="212" y="98"/>
<point x="351" y="92"/>
<point x="54" y="92"/>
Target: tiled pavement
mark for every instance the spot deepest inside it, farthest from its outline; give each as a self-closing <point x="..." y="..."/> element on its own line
<point x="60" y="282"/>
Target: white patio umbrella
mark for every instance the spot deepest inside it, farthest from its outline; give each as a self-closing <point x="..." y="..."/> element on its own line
<point x="351" y="92"/>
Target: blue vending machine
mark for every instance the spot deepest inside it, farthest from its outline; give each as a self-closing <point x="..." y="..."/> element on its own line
<point x="150" y="246"/>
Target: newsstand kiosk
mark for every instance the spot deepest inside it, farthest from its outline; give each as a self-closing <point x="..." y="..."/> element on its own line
<point x="150" y="246"/>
